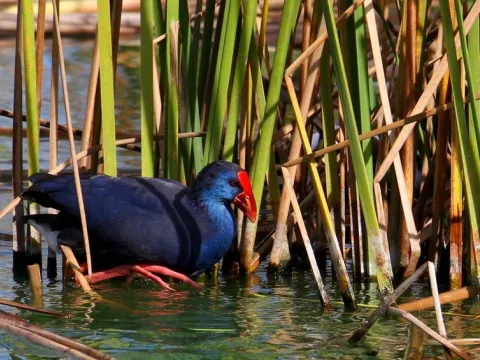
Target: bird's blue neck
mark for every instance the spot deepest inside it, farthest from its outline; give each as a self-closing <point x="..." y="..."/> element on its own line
<point x="216" y="210"/>
<point x="223" y="227"/>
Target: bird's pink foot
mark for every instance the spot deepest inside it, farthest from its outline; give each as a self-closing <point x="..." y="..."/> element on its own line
<point x="145" y="270"/>
<point x="138" y="269"/>
<point x="118" y="271"/>
<point x="162" y="270"/>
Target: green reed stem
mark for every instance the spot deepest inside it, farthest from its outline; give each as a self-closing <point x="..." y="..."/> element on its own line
<point x="107" y="88"/>
<point x="194" y="145"/>
<point x="470" y="163"/>
<point x="207" y="46"/>
<point x="146" y="71"/>
<point x="474" y="59"/>
<point x="31" y="86"/>
<point x="472" y="81"/>
<point x="239" y="78"/>
<point x="171" y="158"/>
<point x="218" y="104"/>
<point x="262" y="148"/>
<point x="331" y="168"/>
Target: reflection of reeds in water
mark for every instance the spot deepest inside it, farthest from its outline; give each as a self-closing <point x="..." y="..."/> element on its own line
<point x="398" y="164"/>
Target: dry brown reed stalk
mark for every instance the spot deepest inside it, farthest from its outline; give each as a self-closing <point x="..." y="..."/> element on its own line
<point x="91" y="108"/>
<point x="409" y="245"/>
<point x="382" y="216"/>
<point x="306" y="240"/>
<point x="459" y="342"/>
<point x="53" y="138"/>
<point x="266" y="244"/>
<point x="306" y="31"/>
<point x="30" y="308"/>
<point x="444" y="298"/>
<point x="416" y="340"/>
<point x="49" y="339"/>
<point x="72" y="262"/>
<point x="36" y="283"/>
<point x="412" y="319"/>
<point x="17" y="150"/>
<point x="39" y="50"/>
<point x="38" y="339"/>
<point x="386" y="303"/>
<point x="62" y="129"/>
<point x="436" y="300"/>
<point x="159" y="39"/>
<point x="78" y="186"/>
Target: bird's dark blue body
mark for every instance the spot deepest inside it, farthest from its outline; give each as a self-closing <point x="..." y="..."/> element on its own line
<point x="146" y="220"/>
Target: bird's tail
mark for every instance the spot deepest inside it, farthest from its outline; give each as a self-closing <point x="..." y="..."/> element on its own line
<point x="57" y="229"/>
<point x="44" y="224"/>
<point x="36" y="192"/>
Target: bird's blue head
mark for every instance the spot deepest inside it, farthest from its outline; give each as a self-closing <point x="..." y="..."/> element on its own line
<point x="225" y="182"/>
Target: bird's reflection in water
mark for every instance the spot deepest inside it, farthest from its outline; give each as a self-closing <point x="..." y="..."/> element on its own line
<point x="164" y="303"/>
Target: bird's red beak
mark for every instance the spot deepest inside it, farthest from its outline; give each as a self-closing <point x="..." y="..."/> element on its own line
<point x="245" y="200"/>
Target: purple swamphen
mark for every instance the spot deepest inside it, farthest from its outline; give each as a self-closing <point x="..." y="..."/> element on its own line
<point x="146" y="225"/>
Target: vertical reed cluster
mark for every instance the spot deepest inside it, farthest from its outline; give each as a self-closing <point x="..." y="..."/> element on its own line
<point x="373" y="121"/>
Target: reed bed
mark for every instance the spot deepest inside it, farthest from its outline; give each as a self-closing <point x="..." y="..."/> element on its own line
<point x="362" y="115"/>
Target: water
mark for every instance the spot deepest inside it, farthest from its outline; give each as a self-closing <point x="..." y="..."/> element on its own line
<point x="255" y="317"/>
<point x="237" y="318"/>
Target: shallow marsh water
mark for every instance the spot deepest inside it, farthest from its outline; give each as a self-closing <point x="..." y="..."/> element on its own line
<point x="260" y="316"/>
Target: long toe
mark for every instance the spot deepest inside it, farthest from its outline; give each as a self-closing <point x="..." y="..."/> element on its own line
<point x="138" y="269"/>
<point x="118" y="271"/>
<point x="162" y="270"/>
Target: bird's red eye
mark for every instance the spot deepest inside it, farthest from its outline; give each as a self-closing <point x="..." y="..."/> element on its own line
<point x="233" y="183"/>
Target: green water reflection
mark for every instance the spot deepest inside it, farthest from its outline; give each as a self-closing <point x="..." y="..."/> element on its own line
<point x="237" y="318"/>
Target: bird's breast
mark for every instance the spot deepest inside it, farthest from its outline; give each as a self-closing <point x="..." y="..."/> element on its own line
<point x="217" y="240"/>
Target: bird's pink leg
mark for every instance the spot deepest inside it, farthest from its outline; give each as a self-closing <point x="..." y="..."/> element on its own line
<point x="118" y="271"/>
<point x="145" y="270"/>
<point x="162" y="270"/>
<point x="138" y="269"/>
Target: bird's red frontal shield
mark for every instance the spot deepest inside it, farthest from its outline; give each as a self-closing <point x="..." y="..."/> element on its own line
<point x="245" y="200"/>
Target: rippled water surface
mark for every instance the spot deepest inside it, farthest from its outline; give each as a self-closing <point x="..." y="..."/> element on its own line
<point x="237" y="318"/>
<point x="255" y="317"/>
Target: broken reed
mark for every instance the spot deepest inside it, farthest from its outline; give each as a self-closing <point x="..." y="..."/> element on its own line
<point x="208" y="67"/>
